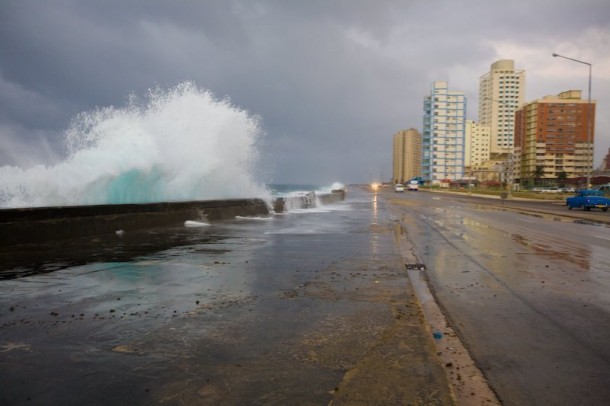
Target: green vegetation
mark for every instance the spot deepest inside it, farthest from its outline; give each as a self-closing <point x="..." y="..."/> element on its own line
<point x="520" y="194"/>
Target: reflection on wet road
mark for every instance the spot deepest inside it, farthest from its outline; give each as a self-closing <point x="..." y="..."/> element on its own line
<point x="531" y="297"/>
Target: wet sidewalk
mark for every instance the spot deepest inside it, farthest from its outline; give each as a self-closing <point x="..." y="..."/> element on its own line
<point x="307" y="308"/>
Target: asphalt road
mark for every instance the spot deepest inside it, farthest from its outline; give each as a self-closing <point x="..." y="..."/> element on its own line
<point x="526" y="287"/>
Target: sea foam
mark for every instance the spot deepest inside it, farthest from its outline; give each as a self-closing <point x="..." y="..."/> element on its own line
<point x="177" y="144"/>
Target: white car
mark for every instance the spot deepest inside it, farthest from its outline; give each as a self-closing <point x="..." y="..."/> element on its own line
<point x="413" y="185"/>
<point x="399" y="188"/>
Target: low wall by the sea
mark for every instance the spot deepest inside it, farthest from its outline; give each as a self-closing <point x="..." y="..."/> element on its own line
<point x="38" y="224"/>
<point x="32" y="225"/>
<point x="307" y="200"/>
<point x="332" y="197"/>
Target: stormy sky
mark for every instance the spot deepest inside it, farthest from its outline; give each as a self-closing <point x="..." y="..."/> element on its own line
<point x="332" y="81"/>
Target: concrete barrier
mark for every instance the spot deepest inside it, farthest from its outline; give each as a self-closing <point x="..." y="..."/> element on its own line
<point x="304" y="201"/>
<point x="332" y="197"/>
<point x="31" y="225"/>
<point x="38" y="224"/>
<point x="307" y="200"/>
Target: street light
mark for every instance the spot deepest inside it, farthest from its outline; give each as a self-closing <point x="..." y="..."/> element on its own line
<point x="589" y="164"/>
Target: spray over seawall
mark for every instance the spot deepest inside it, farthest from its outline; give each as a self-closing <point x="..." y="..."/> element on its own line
<point x="178" y="144"/>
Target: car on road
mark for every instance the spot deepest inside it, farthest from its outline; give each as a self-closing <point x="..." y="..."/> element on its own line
<point x="588" y="199"/>
<point x="551" y="190"/>
<point x="413" y="185"/>
<point x="399" y="188"/>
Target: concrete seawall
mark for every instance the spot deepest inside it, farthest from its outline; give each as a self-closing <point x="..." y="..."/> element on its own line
<point x="308" y="200"/>
<point x="38" y="224"/>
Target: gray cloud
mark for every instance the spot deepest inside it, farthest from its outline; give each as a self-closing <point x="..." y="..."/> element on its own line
<point x="331" y="80"/>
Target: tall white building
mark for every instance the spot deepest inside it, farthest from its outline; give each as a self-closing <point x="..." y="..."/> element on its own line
<point x="443" y="134"/>
<point x="501" y="93"/>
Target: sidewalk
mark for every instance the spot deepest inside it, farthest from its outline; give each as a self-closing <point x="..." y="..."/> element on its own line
<point x="403" y="367"/>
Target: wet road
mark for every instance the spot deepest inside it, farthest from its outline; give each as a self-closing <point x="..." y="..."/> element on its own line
<point x="530" y="296"/>
<point x="268" y="311"/>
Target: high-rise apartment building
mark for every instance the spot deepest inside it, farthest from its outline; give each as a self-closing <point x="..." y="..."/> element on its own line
<point x="501" y="93"/>
<point x="551" y="137"/>
<point x="477" y="144"/>
<point x="407" y="155"/>
<point x="443" y="134"/>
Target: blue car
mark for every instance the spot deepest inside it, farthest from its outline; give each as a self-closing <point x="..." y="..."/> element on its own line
<point x="587" y="200"/>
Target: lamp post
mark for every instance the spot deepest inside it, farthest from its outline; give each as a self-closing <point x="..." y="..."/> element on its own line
<point x="589" y="164"/>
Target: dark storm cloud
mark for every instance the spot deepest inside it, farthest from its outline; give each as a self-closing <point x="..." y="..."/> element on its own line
<point x="332" y="80"/>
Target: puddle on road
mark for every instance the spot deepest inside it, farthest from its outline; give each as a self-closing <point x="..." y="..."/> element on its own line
<point x="574" y="255"/>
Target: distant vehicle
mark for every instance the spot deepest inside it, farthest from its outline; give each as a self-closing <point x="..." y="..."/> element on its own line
<point x="399" y="188"/>
<point x="550" y="190"/>
<point x="588" y="199"/>
<point x="605" y="189"/>
<point x="413" y="184"/>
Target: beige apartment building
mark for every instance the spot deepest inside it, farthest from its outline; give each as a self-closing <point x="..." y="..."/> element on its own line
<point x="478" y="142"/>
<point x="406" y="155"/>
<point x="501" y="93"/>
<point x="551" y="133"/>
<point x="491" y="171"/>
